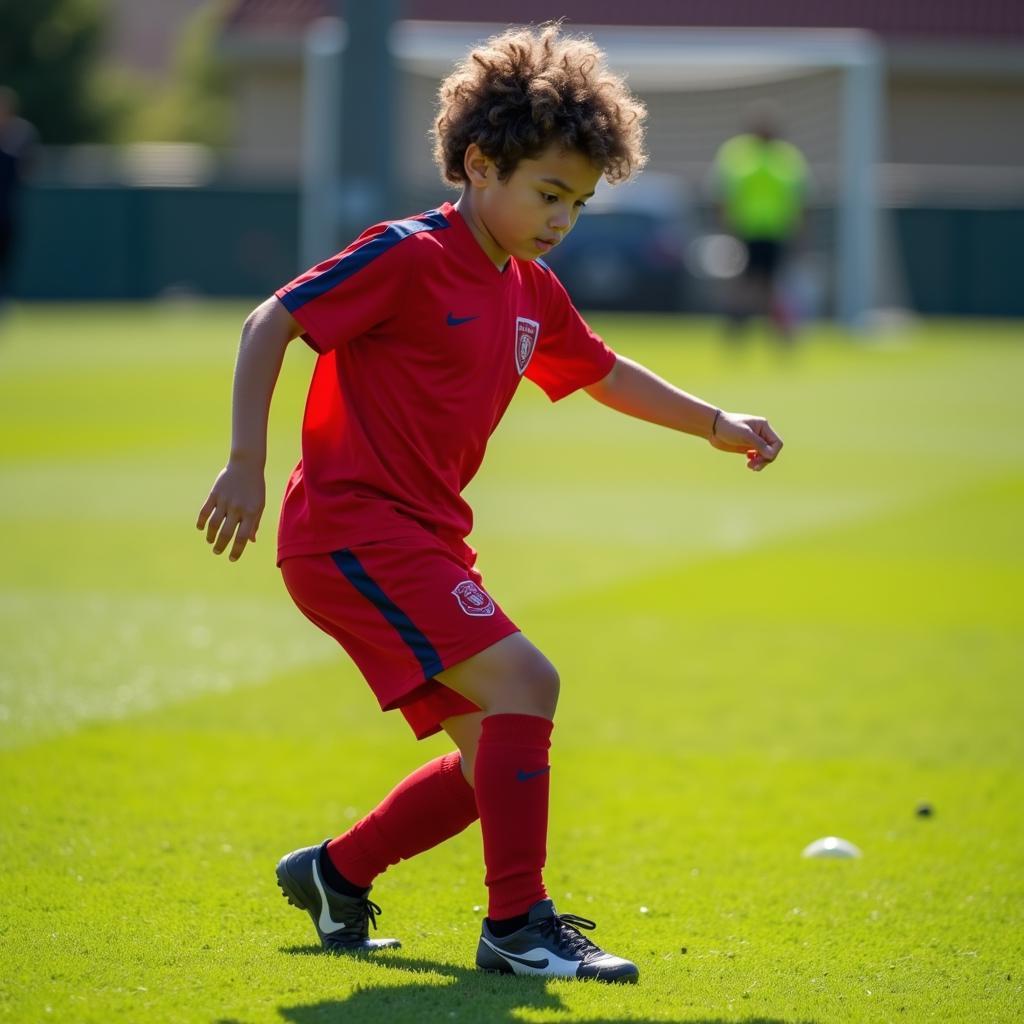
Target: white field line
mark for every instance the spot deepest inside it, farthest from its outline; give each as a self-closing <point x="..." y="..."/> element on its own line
<point x="70" y="658"/>
<point x="667" y="534"/>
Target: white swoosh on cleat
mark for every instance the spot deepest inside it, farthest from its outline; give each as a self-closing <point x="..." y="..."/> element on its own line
<point x="327" y="924"/>
<point x="546" y="964"/>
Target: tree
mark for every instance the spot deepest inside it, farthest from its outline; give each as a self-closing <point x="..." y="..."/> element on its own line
<point x="193" y="105"/>
<point x="49" y="50"/>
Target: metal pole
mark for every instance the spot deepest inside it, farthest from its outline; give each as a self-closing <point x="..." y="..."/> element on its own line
<point x="857" y="206"/>
<point x="321" y="140"/>
<point x="368" y="87"/>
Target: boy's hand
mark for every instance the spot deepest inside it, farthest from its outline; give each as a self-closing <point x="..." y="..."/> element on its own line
<point x="749" y="435"/>
<point x="234" y="508"/>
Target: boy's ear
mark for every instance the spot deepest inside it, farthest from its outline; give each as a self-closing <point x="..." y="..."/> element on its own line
<point x="479" y="168"/>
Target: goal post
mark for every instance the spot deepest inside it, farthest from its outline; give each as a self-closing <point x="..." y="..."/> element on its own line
<point x="696" y="83"/>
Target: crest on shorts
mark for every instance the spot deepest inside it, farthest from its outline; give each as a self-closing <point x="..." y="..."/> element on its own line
<point x="527" y="332"/>
<point x="472" y="600"/>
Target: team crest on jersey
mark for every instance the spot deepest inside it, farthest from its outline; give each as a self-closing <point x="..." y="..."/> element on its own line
<point x="527" y="332"/>
<point x="472" y="600"/>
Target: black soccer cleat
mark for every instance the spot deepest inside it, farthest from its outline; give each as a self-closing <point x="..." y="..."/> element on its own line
<point x="342" y="922"/>
<point x="552" y="946"/>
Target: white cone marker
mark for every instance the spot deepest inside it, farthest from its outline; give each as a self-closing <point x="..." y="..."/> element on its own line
<point x="831" y="846"/>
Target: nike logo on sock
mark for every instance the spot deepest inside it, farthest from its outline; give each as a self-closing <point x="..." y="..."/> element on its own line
<point x="454" y="321"/>
<point x="524" y="776"/>
<point x="327" y="924"/>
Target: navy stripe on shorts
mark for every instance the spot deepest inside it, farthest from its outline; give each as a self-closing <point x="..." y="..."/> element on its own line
<point x="352" y="569"/>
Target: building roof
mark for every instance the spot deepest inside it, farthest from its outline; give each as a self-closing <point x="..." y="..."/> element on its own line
<point x="264" y="15"/>
<point x="946" y="20"/>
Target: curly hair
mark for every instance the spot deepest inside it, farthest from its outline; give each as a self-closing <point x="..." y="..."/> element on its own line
<point x="528" y="88"/>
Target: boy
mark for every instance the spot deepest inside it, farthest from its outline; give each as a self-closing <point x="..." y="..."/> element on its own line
<point x="424" y="328"/>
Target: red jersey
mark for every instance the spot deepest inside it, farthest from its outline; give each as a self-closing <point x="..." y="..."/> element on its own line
<point x="422" y="342"/>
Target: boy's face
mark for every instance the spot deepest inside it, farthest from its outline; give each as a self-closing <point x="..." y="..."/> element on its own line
<point x="530" y="212"/>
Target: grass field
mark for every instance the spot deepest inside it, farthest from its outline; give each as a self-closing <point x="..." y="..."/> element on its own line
<point x="749" y="662"/>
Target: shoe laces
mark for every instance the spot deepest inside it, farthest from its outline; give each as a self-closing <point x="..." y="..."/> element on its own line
<point x="564" y="929"/>
<point x="370" y="910"/>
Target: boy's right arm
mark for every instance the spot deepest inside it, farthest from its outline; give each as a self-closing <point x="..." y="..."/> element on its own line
<point x="236" y="500"/>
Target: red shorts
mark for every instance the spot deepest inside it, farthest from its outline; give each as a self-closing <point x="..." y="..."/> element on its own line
<point x="404" y="610"/>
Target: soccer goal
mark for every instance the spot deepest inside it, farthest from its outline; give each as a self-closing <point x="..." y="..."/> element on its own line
<point x="828" y="89"/>
<point x="697" y="84"/>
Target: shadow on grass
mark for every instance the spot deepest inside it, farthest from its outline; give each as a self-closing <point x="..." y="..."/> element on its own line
<point x="471" y="996"/>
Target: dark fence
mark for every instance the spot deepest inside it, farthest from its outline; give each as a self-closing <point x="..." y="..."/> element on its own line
<point x="963" y="262"/>
<point x="136" y="243"/>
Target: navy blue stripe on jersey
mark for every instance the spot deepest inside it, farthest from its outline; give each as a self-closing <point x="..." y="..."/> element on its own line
<point x="397" y="231"/>
<point x="352" y="569"/>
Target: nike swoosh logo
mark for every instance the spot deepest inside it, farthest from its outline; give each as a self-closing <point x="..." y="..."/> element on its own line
<point x="524" y="776"/>
<point x="548" y="964"/>
<point x="326" y="923"/>
<point x="511" y="957"/>
<point x="454" y="321"/>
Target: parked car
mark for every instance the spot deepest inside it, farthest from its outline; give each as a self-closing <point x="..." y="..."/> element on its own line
<point x="627" y="249"/>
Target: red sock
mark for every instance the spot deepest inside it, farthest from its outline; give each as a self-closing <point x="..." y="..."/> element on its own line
<point x="511" y="778"/>
<point x="431" y="805"/>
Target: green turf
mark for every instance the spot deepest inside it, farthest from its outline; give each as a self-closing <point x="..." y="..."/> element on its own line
<point x="749" y="662"/>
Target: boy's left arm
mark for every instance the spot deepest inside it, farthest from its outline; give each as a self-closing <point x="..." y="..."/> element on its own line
<point x="636" y="391"/>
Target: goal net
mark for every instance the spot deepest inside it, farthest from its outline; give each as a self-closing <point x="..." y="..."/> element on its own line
<point x="698" y="85"/>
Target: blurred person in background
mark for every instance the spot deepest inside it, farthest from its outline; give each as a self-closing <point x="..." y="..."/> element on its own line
<point x="17" y="141"/>
<point x="760" y="182"/>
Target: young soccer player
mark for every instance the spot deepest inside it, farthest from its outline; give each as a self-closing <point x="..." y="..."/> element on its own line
<point x="424" y="329"/>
